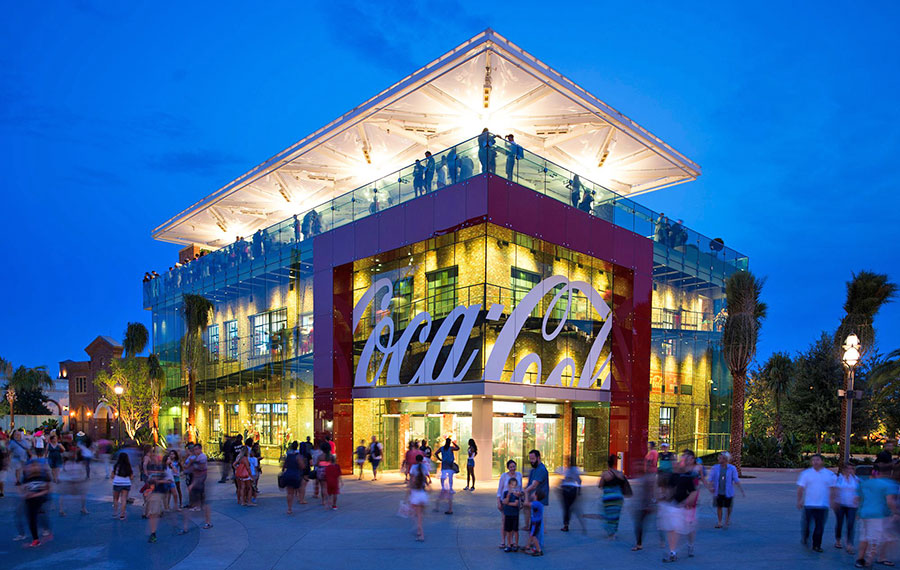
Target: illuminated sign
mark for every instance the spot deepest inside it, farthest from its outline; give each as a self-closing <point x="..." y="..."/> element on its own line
<point x="393" y="350"/>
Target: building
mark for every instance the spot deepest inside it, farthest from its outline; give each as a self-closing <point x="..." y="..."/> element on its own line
<point x="517" y="295"/>
<point x="87" y="411"/>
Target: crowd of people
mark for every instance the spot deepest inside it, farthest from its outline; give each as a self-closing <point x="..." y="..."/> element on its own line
<point x="50" y="470"/>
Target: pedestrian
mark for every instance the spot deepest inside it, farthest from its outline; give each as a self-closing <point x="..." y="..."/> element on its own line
<point x="157" y="489"/>
<point x="19" y="449"/>
<point x="242" y="477"/>
<point x="429" y="171"/>
<point x="72" y="483"/>
<point x="361" y="457"/>
<point x="36" y="481"/>
<point x="666" y="460"/>
<point x="538" y="480"/>
<point x="613" y="482"/>
<point x="452" y="166"/>
<point x="333" y="481"/>
<point x="486" y="150"/>
<point x="442" y="172"/>
<point x="644" y="502"/>
<point x="375" y="455"/>
<point x="470" y="465"/>
<point x="814" y="488"/>
<point x="535" y="545"/>
<point x="651" y="458"/>
<point x="419" y="178"/>
<point x="448" y="469"/>
<point x="409" y="459"/>
<point x="173" y="465"/>
<point x="722" y="479"/>
<point x="514" y="152"/>
<point x="426" y="451"/>
<point x="570" y="489"/>
<point x="291" y="475"/>
<point x="198" y="466"/>
<point x="878" y="501"/>
<point x="255" y="472"/>
<point x="323" y="462"/>
<point x="511" y="502"/>
<point x="85" y="454"/>
<point x="55" y="456"/>
<point x="122" y="474"/>
<point x="845" y="504"/>
<point x="510" y="475"/>
<point x="418" y="495"/>
<point x="678" y="507"/>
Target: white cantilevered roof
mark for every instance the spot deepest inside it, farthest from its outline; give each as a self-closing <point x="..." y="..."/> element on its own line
<point x="436" y="107"/>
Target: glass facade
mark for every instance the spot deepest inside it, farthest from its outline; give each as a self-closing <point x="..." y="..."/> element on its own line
<point x="258" y="377"/>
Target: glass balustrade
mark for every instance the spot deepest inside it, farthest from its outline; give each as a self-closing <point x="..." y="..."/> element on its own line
<point x="282" y="245"/>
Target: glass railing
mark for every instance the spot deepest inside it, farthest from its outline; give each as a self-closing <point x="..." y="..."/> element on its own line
<point x="678" y="244"/>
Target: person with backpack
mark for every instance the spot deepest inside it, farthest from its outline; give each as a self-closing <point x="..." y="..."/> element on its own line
<point x="418" y="494"/>
<point x="375" y="455"/>
<point x="613" y="483"/>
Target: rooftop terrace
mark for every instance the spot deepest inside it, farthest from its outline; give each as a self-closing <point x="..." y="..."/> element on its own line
<point x="681" y="253"/>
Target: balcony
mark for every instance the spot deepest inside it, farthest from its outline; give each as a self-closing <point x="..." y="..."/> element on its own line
<point x="695" y="258"/>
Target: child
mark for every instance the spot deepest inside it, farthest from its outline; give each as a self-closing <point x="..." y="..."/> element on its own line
<point x="255" y="472"/>
<point x="333" y="482"/>
<point x="361" y="457"/>
<point x="537" y="528"/>
<point x="511" y="502"/>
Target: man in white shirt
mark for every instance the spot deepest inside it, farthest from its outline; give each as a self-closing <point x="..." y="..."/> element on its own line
<point x="815" y="487"/>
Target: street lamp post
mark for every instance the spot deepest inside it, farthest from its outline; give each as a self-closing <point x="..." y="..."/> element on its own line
<point x="119" y="390"/>
<point x="851" y="359"/>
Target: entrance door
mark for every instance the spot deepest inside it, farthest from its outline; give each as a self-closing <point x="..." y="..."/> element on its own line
<point x="509" y="442"/>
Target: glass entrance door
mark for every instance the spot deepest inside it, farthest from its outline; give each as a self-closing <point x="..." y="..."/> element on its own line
<point x="509" y="442"/>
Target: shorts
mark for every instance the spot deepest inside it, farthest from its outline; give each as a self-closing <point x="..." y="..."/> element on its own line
<point x="535" y="527"/>
<point x="670" y="518"/>
<point x="120" y="488"/>
<point x="723" y="502"/>
<point x="871" y="531"/>
<point x="154" y="504"/>
<point x="360" y="461"/>
<point x="198" y="496"/>
<point x="418" y="497"/>
<point x="375" y="463"/>
<point x="333" y="489"/>
<point x="511" y="523"/>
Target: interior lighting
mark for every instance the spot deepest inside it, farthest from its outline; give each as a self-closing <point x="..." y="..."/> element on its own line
<point x="487" y="81"/>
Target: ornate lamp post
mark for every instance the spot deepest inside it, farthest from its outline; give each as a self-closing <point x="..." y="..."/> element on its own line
<point x="852" y="350"/>
<point x="119" y="390"/>
<point x="11" y="398"/>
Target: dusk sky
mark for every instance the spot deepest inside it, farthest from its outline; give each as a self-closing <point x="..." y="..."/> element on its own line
<point x="115" y="116"/>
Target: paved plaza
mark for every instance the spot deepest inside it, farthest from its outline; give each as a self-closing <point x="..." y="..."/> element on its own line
<point x="366" y="530"/>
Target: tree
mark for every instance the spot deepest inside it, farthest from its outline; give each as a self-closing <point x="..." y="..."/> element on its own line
<point x="135" y="403"/>
<point x="812" y="404"/>
<point x="156" y="376"/>
<point x="136" y="338"/>
<point x="776" y="375"/>
<point x="28" y="386"/>
<point x="867" y="292"/>
<point x="745" y="315"/>
<point x="883" y="384"/>
<point x="193" y="355"/>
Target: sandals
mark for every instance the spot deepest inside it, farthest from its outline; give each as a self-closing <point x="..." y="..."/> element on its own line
<point x="636" y="547"/>
<point x="885" y="562"/>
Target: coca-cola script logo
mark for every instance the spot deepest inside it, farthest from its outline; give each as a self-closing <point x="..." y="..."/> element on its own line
<point x="393" y="350"/>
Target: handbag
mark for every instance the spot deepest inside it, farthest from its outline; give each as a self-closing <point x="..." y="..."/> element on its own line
<point x="626" y="487"/>
<point x="455" y="467"/>
<point x="404" y="511"/>
<point x="281" y="484"/>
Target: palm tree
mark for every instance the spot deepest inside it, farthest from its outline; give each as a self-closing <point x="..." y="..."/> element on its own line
<point x="21" y="380"/>
<point x="6" y="371"/>
<point x="745" y="315"/>
<point x="777" y="374"/>
<point x="157" y="377"/>
<point x="196" y="318"/>
<point x="136" y="338"/>
<point x="867" y="292"/>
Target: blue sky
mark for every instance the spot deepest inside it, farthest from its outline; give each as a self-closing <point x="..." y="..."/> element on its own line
<point x="114" y="116"/>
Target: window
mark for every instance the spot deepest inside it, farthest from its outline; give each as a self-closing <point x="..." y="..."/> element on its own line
<point x="523" y="282"/>
<point x="231" y="340"/>
<point x="666" y="419"/>
<point x="212" y="412"/>
<point x="441" y="291"/>
<point x="232" y="419"/>
<point x="304" y="341"/>
<point x="269" y="332"/>
<point x="270" y="420"/>
<point x="80" y="385"/>
<point x="212" y="342"/>
<point x="403" y="294"/>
